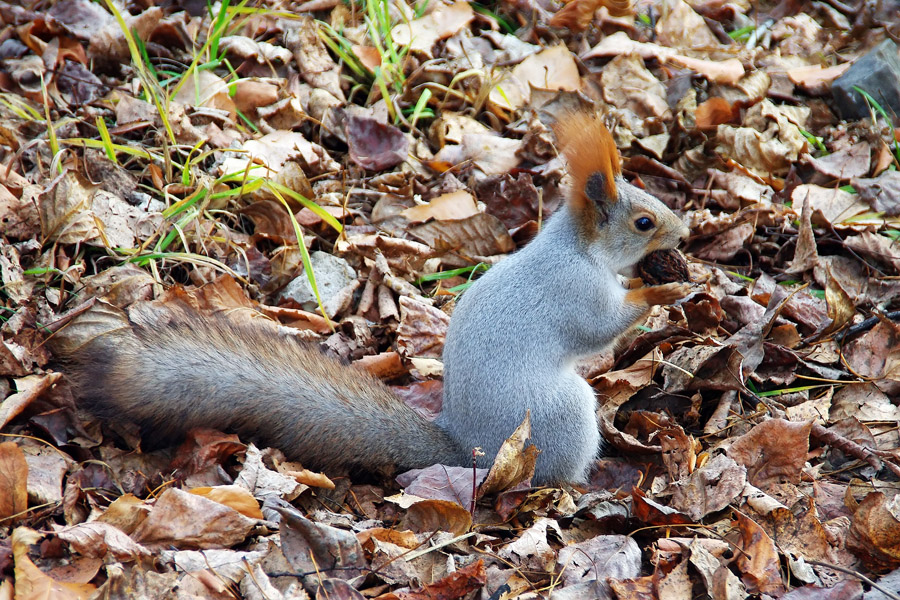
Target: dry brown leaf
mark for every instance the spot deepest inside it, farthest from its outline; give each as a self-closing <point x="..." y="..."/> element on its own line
<point x="714" y="112"/>
<point x="531" y="550"/>
<point x="875" y="532"/>
<point x="374" y="145"/>
<point x="232" y="496"/>
<point x="13" y="480"/>
<point x="816" y="79"/>
<point x="577" y="15"/>
<point x="590" y="563"/>
<point x="446" y="207"/>
<point x="102" y="540"/>
<point x="476" y="236"/>
<point x="727" y="72"/>
<point x="28" y="389"/>
<point x="442" y="22"/>
<point x="422" y="329"/>
<point x="439" y="482"/>
<point x="267" y="155"/>
<point x="882" y="193"/>
<point x="681" y="27"/>
<point x="34" y="584"/>
<point x="125" y="513"/>
<point x="314" y="63"/>
<point x="758" y="559"/>
<point x="438" y="515"/>
<point x="844" y="164"/>
<point x="514" y="462"/>
<point x="205" y="88"/>
<point x="876" y="354"/>
<point x="47" y="469"/>
<point x="183" y="520"/>
<point x="879" y="247"/>
<point x="773" y="451"/>
<point x="710" y="488"/>
<point x="319" y="549"/>
<point x="553" y="68"/>
<point x="615" y="388"/>
<point x="806" y="255"/>
<point x="458" y="584"/>
<point x="834" y="204"/>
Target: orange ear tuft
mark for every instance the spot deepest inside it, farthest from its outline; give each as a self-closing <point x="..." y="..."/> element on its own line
<point x="592" y="157"/>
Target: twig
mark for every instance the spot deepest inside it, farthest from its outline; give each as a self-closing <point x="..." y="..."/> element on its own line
<point x="866" y="325"/>
<point x="856" y="574"/>
<point x="851" y="448"/>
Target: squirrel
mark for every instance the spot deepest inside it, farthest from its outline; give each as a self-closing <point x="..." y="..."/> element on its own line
<point x="513" y="341"/>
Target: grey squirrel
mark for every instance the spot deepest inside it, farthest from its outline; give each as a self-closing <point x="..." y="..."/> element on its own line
<point x="513" y="342"/>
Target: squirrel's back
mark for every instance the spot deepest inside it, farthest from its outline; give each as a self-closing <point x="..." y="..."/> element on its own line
<point x="170" y="371"/>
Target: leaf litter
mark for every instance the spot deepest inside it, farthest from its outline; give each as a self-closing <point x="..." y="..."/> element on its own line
<point x="212" y="155"/>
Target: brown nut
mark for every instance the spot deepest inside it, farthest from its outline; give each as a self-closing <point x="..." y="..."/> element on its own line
<point x="663" y="266"/>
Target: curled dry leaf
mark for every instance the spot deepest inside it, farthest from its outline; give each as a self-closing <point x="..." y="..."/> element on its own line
<point x="617" y="387"/>
<point x="314" y="62"/>
<point x="46" y="470"/>
<point x="681" y="27"/>
<point x="728" y="71"/>
<point x="102" y="540"/>
<point x="532" y="550"/>
<point x="28" y="389"/>
<point x="125" y="513"/>
<point x="714" y="112"/>
<point x="514" y="462"/>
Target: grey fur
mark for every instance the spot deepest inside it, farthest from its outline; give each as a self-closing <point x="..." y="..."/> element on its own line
<point x="517" y="332"/>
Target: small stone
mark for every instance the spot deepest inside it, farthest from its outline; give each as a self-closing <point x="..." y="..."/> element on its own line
<point x="333" y="274"/>
<point x="878" y="74"/>
<point x="663" y="266"/>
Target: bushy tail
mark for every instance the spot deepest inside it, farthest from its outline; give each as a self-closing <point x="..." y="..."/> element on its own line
<point x="171" y="370"/>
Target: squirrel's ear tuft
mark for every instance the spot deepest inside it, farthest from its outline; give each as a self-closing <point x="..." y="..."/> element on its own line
<point x="592" y="157"/>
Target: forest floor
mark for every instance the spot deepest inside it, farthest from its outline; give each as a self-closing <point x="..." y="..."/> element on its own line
<point x="214" y="155"/>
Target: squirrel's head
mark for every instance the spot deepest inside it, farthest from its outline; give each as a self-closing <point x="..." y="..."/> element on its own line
<point x="612" y="216"/>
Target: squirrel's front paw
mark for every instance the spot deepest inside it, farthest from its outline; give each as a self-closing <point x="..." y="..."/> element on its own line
<point x="667" y="293"/>
<point x="648" y="296"/>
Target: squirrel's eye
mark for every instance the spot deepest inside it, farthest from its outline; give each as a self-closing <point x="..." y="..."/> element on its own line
<point x="644" y="224"/>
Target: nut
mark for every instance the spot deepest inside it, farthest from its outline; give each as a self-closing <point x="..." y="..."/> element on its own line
<point x="663" y="266"/>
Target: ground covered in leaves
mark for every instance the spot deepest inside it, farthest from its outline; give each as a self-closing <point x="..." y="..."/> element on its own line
<point x="179" y="152"/>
